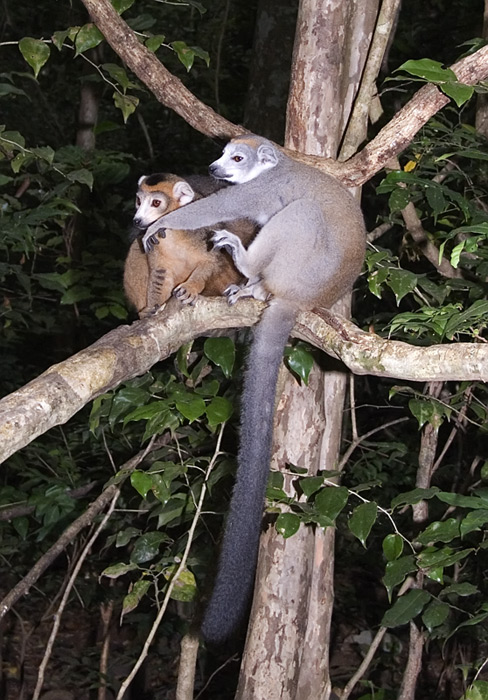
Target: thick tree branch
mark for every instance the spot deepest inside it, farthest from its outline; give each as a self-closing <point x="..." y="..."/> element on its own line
<point x="171" y="92"/>
<point x="167" y="89"/>
<point x="128" y="351"/>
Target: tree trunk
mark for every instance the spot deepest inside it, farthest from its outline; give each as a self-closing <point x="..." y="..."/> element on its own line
<point x="269" y="73"/>
<point x="287" y="649"/>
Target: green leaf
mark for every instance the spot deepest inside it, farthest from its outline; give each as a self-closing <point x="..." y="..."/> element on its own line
<point x="435" y="614"/>
<point x="116" y="570"/>
<point x="473" y="521"/>
<point x="147" y="547"/>
<point x="84" y="176"/>
<point x="300" y="360"/>
<point x="444" y="531"/>
<point x="399" y="198"/>
<point x="423" y="410"/>
<point x="362" y="520"/>
<point x="456" y="499"/>
<point x="146" y="412"/>
<point x="132" y="599"/>
<point x="376" y="280"/>
<point x="441" y="558"/>
<point x="456" y="253"/>
<point x="126" y="535"/>
<point x="59" y="38"/>
<point x="392" y="546"/>
<point x="461" y="589"/>
<point x="171" y="511"/>
<point x="219" y="410"/>
<point x="287" y="524"/>
<point x="406" y="608"/>
<point x="436" y="199"/>
<point x="402" y="282"/>
<point x="410" y="498"/>
<point x="185" y="588"/>
<point x="191" y="407"/>
<point x="154" y="42"/>
<point x="222" y="352"/>
<point x="432" y="71"/>
<point x="311" y="484"/>
<point x="118" y="73"/>
<point x="120" y="6"/>
<point x="142" y="482"/>
<point x="331" y="500"/>
<point x="436" y="574"/>
<point x="396" y="571"/>
<point x="75" y="294"/>
<point x="7" y="89"/>
<point x="477" y="691"/>
<point x="35" y="53"/>
<point x="87" y="38"/>
<point x="21" y="526"/>
<point x="459" y="92"/>
<point x="126" y="103"/>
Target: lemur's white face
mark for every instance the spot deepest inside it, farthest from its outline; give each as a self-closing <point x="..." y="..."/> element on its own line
<point x="241" y="162"/>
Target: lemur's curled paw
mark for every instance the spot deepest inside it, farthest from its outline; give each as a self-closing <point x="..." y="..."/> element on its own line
<point x="226" y="239"/>
<point x="149" y="240"/>
<point x="185" y="295"/>
<point x="232" y="293"/>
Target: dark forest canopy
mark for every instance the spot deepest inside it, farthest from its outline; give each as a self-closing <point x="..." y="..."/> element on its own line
<point x="134" y="487"/>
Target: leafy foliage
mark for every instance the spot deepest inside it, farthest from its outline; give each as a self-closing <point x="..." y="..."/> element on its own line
<point x="64" y="211"/>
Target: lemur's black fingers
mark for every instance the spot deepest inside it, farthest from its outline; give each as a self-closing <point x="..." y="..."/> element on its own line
<point x="150" y="241"/>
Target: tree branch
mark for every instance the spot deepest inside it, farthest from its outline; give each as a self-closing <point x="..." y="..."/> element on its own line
<point x="167" y="88"/>
<point x="84" y="520"/>
<point x="128" y="351"/>
<point x="171" y="92"/>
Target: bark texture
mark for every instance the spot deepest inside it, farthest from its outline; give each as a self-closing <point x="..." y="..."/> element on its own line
<point x="390" y="141"/>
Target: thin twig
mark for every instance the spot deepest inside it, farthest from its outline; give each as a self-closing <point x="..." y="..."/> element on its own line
<point x="174" y="579"/>
<point x="355" y="443"/>
<point x="64" y="600"/>
<point x="234" y="657"/>
<point x="363" y="667"/>
<point x="22" y="588"/>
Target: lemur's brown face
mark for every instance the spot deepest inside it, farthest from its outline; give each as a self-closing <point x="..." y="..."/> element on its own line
<point x="155" y="198"/>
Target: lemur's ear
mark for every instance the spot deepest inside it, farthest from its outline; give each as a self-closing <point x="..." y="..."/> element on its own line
<point x="267" y="154"/>
<point x="183" y="193"/>
<point x="141" y="179"/>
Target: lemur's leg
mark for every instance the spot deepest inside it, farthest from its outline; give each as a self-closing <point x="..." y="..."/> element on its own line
<point x="188" y="291"/>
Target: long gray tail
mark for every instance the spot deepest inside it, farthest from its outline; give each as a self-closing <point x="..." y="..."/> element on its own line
<point x="238" y="555"/>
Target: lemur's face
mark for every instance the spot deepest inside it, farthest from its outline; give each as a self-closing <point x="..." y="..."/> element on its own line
<point x="243" y="160"/>
<point x="155" y="200"/>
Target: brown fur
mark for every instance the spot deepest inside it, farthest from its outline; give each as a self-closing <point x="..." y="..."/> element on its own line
<point x="183" y="263"/>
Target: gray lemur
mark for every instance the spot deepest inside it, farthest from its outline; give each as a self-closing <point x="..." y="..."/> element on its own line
<point x="307" y="254"/>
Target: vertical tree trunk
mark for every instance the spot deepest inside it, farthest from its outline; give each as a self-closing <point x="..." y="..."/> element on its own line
<point x="269" y="74"/>
<point x="287" y="649"/>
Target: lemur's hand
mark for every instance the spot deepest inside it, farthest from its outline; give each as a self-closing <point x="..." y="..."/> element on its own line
<point x="150" y="238"/>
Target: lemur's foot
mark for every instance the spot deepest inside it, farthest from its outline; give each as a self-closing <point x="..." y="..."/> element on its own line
<point x="185" y="294"/>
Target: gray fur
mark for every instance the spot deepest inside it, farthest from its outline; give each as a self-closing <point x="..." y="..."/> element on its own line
<point x="308" y="254"/>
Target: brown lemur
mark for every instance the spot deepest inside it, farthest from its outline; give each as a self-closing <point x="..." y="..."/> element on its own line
<point x="184" y="264"/>
<point x="307" y="254"/>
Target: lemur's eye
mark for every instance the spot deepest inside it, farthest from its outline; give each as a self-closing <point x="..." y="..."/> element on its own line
<point x="138" y="201"/>
<point x="156" y="203"/>
<point x="237" y="159"/>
